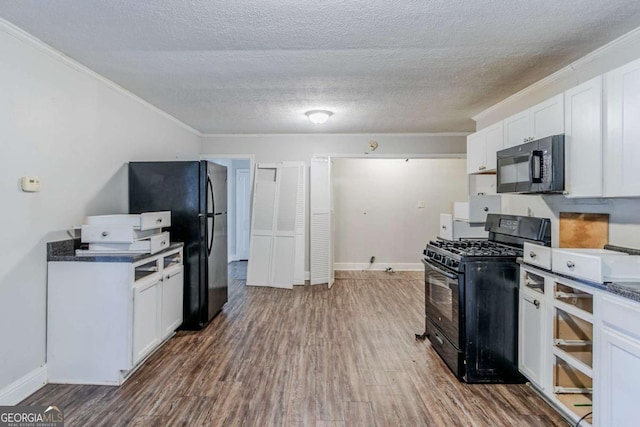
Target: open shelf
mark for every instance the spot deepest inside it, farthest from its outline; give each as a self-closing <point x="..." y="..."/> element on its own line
<point x="574" y="297"/>
<point x="144" y="270"/>
<point x="534" y="282"/>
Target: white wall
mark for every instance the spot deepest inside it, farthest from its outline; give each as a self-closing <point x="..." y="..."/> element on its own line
<point x="302" y="147"/>
<point x="624" y="220"/>
<point x="76" y="132"/>
<point x="376" y="209"/>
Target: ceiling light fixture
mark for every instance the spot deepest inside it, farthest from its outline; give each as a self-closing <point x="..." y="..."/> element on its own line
<point x="318" y="116"/>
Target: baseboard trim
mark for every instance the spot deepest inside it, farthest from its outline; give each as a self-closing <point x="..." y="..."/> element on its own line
<point x="378" y="267"/>
<point x="23" y="387"/>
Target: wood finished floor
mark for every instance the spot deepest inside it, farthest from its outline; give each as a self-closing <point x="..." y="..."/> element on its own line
<point x="311" y="356"/>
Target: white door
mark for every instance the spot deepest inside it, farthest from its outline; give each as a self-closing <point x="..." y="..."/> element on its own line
<point x="272" y="250"/>
<point x="243" y="190"/>
<point x="322" y="222"/>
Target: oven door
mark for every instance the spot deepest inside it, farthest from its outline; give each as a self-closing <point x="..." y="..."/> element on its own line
<point x="443" y="291"/>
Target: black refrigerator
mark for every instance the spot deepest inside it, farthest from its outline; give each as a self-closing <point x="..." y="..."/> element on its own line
<point x="196" y="194"/>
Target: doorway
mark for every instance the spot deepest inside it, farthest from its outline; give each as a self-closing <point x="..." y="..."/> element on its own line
<point x="238" y="208"/>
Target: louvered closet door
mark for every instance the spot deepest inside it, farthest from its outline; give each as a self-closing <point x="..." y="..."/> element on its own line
<point x="273" y="230"/>
<point x="321" y="222"/>
<point x="300" y="250"/>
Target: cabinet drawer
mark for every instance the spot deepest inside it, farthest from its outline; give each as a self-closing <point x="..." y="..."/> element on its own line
<point x="107" y="233"/>
<point x="110" y="233"/>
<point x="150" y="245"/>
<point x="582" y="263"/>
<point x="143" y="221"/>
<point x="481" y="205"/>
<point x="151" y="220"/>
<point x="537" y="255"/>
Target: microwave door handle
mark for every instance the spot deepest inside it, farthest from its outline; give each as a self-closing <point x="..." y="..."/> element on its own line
<point x="535" y="166"/>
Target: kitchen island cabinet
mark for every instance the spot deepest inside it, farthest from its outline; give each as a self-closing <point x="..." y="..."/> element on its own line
<point x="106" y="314"/>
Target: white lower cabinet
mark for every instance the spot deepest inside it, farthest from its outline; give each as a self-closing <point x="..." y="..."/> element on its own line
<point x="105" y="318"/>
<point x="555" y="339"/>
<point x="533" y="343"/>
<point x="618" y="357"/>
<point x="172" y="296"/>
<point x="147" y="300"/>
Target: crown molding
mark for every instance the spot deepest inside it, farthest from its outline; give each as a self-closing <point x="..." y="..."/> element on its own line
<point x="632" y="36"/>
<point x="21" y="35"/>
<point x="368" y="135"/>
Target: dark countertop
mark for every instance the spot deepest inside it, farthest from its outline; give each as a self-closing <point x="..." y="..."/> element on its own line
<point x="65" y="250"/>
<point x="628" y="290"/>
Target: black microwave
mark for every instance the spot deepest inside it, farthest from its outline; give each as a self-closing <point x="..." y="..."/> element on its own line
<point x="534" y="167"/>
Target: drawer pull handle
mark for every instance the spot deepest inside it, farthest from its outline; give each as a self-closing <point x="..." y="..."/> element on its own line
<point x="164" y="242"/>
<point x="159" y="220"/>
<point x="570" y="264"/>
<point x="105" y="233"/>
<point x="486" y="209"/>
<point x="481" y="168"/>
<point x="532" y="254"/>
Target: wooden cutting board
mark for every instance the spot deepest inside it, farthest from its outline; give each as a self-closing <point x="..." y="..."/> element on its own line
<point x="583" y="230"/>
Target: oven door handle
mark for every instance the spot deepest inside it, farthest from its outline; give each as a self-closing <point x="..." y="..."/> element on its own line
<point x="439" y="270"/>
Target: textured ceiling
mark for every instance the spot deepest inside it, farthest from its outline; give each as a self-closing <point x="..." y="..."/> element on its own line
<point x="247" y="66"/>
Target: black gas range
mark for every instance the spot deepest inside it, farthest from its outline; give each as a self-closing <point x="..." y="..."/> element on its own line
<point x="471" y="298"/>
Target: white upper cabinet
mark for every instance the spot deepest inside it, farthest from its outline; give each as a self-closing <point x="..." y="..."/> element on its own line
<point x="583" y="140"/>
<point x="622" y="144"/>
<point x="517" y="129"/>
<point x="539" y="121"/>
<point x="482" y="147"/>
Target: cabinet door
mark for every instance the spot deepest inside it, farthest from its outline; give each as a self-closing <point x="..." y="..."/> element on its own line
<point x="547" y="118"/>
<point x="475" y="153"/>
<point x="583" y="139"/>
<point x="172" y="295"/>
<point x="493" y="141"/>
<point x="517" y="129"/>
<point x="146" y="318"/>
<point x="530" y="349"/>
<point x="623" y="131"/>
<point x="619" y="379"/>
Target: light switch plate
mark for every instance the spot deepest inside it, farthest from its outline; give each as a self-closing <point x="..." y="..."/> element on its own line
<point x="420" y="204"/>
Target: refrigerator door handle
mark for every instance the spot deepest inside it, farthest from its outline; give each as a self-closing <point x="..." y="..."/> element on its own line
<point x="211" y="235"/>
<point x="213" y="199"/>
<point x="210" y="213"/>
